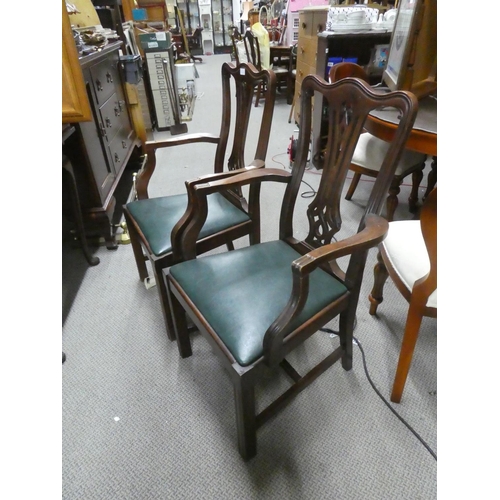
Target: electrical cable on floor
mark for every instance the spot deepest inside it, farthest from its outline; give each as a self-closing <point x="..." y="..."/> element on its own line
<point x="304" y="194"/>
<point x="308" y="194"/>
<point x="379" y="394"/>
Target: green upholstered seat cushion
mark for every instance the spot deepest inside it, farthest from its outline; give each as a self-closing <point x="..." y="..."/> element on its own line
<point x="157" y="217"/>
<point x="240" y="293"/>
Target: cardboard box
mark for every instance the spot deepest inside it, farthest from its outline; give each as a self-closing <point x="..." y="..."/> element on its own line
<point x="154" y="42"/>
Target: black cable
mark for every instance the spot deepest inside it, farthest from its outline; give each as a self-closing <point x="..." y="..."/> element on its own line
<point x="308" y="194"/>
<point x="390" y="406"/>
<point x="414" y="432"/>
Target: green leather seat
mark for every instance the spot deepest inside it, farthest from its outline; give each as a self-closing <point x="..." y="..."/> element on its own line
<point x="157" y="216"/>
<point x="241" y="305"/>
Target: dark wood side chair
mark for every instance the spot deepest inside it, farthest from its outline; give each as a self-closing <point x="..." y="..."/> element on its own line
<point x="409" y="256"/>
<point x="238" y="46"/>
<point x="252" y="49"/>
<point x="371" y="150"/>
<point x="256" y="304"/>
<point x="150" y="220"/>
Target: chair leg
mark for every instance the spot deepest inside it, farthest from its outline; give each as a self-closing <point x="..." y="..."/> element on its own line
<point x="165" y="306"/>
<point x="353" y="186"/>
<point x="392" y="200"/>
<point x="410" y="336"/>
<point x="346" y="328"/>
<point x="245" y="418"/>
<point x="230" y="245"/>
<point x="291" y="110"/>
<point x="417" y="177"/>
<point x="180" y="326"/>
<point x="380" y="277"/>
<point x="140" y="259"/>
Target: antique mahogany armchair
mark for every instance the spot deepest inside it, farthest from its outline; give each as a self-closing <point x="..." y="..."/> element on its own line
<point x="257" y="304"/>
<point x="371" y="150"/>
<point x="150" y="220"/>
<point x="409" y="256"/>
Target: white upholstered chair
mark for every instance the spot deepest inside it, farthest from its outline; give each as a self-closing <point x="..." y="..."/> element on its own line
<point x="409" y="256"/>
<point x="370" y="151"/>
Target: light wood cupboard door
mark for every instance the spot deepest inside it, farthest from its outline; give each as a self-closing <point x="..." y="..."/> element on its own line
<point x="75" y="103"/>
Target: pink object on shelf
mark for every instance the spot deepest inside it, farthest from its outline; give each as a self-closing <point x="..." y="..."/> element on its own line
<point x="296" y="5"/>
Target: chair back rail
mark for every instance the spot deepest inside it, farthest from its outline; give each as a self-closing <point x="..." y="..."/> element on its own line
<point x="347" y="112"/>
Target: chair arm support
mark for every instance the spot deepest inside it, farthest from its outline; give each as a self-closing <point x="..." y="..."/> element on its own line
<point x="374" y="232"/>
<point x="214" y="177"/>
<point x="150" y="147"/>
<point x="248" y="176"/>
<point x="180" y="140"/>
<point x="185" y="232"/>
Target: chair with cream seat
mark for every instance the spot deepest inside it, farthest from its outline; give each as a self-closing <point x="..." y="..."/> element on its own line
<point x="257" y="304"/>
<point x="409" y="256"/>
<point x="371" y="150"/>
<point x="150" y="220"/>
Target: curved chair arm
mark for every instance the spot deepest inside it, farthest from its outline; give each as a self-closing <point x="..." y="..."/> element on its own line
<point x="374" y="233"/>
<point x="185" y="232"/>
<point x="150" y="147"/>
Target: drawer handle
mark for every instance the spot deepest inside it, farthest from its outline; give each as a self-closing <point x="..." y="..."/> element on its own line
<point x="320" y="28"/>
<point x="117" y="158"/>
<point x="98" y="84"/>
<point x="300" y="72"/>
<point x="103" y="130"/>
<point x="124" y="144"/>
<point x="117" y="110"/>
<point x="108" y="122"/>
<point x="304" y="25"/>
<point x="109" y="78"/>
<point x="302" y="50"/>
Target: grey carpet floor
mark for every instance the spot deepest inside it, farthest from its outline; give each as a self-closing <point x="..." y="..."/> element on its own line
<point x="140" y="423"/>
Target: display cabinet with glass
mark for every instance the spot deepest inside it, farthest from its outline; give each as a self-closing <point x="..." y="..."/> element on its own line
<point x="192" y="24"/>
<point x="222" y="20"/>
<point x="206" y="24"/>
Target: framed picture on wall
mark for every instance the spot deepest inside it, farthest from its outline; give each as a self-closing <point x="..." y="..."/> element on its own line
<point x="403" y="36"/>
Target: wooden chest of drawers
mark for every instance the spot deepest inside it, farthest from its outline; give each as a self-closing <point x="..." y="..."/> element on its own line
<point x="100" y="149"/>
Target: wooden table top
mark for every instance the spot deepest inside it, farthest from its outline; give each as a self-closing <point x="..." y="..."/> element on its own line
<point x="423" y="138"/>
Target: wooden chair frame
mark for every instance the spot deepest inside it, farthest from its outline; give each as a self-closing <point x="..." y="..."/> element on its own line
<point x="245" y="77"/>
<point x="350" y="102"/>
<point x="417" y="297"/>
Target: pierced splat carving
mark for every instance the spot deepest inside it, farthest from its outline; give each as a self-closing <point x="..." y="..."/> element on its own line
<point x="324" y="212"/>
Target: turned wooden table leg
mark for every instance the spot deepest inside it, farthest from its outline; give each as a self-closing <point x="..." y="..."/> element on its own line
<point x="432" y="177"/>
<point x="417" y="177"/>
<point x="380" y="277"/>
